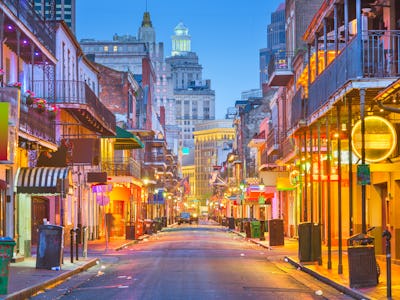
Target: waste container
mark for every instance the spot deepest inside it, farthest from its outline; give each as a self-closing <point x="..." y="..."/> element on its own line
<point x="247" y="228"/>
<point x="148" y="229"/>
<point x="363" y="268"/>
<point x="130" y="231"/>
<point x="138" y="229"/>
<point x="309" y="242"/>
<point x="255" y="229"/>
<point x="6" y="253"/>
<point x="231" y="223"/>
<point x="276" y="232"/>
<point x="50" y="247"/>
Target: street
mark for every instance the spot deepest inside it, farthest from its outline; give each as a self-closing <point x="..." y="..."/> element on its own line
<point x="192" y="262"/>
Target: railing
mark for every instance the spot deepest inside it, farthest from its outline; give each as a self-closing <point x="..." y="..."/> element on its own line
<point x="379" y="59"/>
<point x="128" y="167"/>
<point x="73" y="92"/>
<point x="273" y="139"/>
<point x="288" y="146"/>
<point x="25" y="12"/>
<point x="298" y="108"/>
<point x="154" y="158"/>
<point x="37" y="124"/>
<point x="280" y="61"/>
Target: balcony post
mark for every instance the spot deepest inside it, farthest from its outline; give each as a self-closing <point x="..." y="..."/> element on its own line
<point x="328" y="192"/>
<point x="350" y="154"/>
<point x="360" y="47"/>
<point x="363" y="186"/>
<point x="339" y="187"/>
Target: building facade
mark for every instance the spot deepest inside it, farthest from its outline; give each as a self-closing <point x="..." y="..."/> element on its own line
<point x="194" y="98"/>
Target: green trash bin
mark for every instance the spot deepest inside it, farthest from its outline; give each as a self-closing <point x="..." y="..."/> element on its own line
<point x="255" y="229"/>
<point x="6" y="253"/>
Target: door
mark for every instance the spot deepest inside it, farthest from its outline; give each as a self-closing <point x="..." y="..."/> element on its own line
<point x="40" y="211"/>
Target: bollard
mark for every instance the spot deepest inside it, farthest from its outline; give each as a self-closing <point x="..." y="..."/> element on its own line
<point x="71" y="232"/>
<point x="262" y="231"/>
<point x="77" y="230"/>
<point x="388" y="236"/>
<point x="85" y="241"/>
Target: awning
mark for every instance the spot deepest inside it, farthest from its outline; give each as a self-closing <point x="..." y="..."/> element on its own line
<point x="43" y="180"/>
<point x="126" y="140"/>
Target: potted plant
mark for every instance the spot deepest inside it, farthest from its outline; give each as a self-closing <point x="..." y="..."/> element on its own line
<point x="29" y="97"/>
<point x="40" y="104"/>
<point x="52" y="111"/>
<point x="15" y="84"/>
<point x="1" y="75"/>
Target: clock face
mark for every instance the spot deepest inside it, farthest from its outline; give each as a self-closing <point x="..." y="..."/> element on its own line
<point x="380" y="139"/>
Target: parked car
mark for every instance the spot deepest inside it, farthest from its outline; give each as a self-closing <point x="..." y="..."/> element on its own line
<point x="184" y="217"/>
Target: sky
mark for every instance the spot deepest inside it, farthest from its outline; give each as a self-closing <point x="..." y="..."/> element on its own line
<point x="226" y="35"/>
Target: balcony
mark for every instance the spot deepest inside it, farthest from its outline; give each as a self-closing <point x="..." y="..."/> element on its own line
<point x="127" y="167"/>
<point x="376" y="66"/>
<point x="288" y="149"/>
<point x="273" y="141"/>
<point x="298" y="112"/>
<point x="22" y="11"/>
<point x="156" y="160"/>
<point x="78" y="99"/>
<point x="36" y="124"/>
<point x="280" y="70"/>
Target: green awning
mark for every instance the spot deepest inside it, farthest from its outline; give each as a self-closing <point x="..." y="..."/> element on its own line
<point x="126" y="140"/>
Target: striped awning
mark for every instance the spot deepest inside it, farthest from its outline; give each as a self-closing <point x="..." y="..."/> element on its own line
<point x="43" y="180"/>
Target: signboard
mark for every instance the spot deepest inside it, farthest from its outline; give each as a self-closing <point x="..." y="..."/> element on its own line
<point x="363" y="175"/>
<point x="380" y="138"/>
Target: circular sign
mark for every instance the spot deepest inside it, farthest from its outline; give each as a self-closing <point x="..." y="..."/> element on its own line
<point x="379" y="136"/>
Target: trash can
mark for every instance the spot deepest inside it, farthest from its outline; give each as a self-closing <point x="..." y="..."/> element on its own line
<point x="309" y="242"/>
<point x="148" y="226"/>
<point x="231" y="223"/>
<point x="255" y="229"/>
<point x="130" y="231"/>
<point x="247" y="228"/>
<point x="138" y="229"/>
<point x="276" y="232"/>
<point x="6" y="253"/>
<point x="363" y="268"/>
<point x="50" y="247"/>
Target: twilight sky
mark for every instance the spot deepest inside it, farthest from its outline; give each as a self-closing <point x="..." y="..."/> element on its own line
<point x="226" y="35"/>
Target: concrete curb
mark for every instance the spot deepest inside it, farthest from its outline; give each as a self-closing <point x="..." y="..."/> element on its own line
<point x="339" y="287"/>
<point x="28" y="292"/>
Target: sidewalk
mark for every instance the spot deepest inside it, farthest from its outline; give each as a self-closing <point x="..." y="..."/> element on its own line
<point x="25" y="280"/>
<point x="331" y="276"/>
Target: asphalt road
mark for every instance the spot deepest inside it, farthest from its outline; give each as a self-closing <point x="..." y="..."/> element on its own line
<point x="193" y="262"/>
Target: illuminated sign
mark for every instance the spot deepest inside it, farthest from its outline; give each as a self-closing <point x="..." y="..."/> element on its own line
<point x="4" y="151"/>
<point x="380" y="139"/>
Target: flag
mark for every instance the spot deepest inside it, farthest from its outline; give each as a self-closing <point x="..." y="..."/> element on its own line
<point x="186" y="186"/>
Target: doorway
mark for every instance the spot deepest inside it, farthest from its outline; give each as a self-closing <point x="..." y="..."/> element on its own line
<point x="40" y="211"/>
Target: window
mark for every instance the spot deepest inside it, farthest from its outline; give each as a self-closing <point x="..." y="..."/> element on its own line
<point x="115" y="48"/>
<point x="105" y="48"/>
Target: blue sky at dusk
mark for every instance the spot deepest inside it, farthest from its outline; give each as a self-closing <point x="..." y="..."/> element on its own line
<point x="226" y="35"/>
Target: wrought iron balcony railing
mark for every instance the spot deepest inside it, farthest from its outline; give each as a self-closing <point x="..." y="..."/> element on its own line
<point x="25" y="12"/>
<point x="37" y="124"/>
<point x="378" y="58"/>
<point x="74" y="95"/>
<point x="127" y="167"/>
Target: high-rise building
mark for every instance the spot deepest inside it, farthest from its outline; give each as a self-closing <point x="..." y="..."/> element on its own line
<point x="276" y="41"/>
<point x="213" y="141"/>
<point x="194" y="98"/>
<point x="58" y="10"/>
